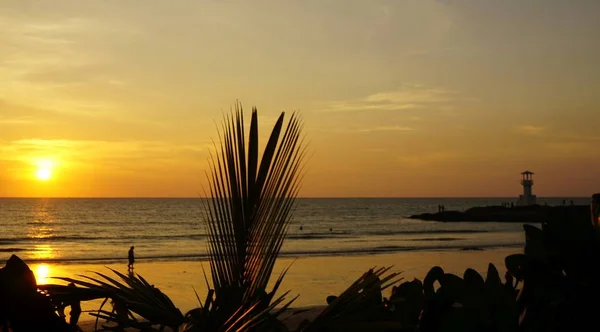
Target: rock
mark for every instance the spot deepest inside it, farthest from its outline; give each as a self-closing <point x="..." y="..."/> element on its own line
<point x="21" y="305"/>
<point x="532" y="213"/>
<point x="17" y="277"/>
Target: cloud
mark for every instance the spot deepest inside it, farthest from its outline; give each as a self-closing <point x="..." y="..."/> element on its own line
<point x="407" y="97"/>
<point x="558" y="137"/>
<point x="43" y="45"/>
<point x="530" y="130"/>
<point x="390" y="128"/>
<point x="579" y="138"/>
<point x="571" y="149"/>
<point x="19" y="120"/>
<point x="376" y="150"/>
<point x="427" y="159"/>
<point x="62" y="63"/>
<point x="83" y="154"/>
<point x="76" y="114"/>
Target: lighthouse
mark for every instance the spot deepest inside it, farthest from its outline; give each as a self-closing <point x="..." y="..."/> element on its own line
<point x="527" y="182"/>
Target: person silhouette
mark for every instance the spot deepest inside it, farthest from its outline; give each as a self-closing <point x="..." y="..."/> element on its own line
<point x="75" y="312"/>
<point x="131" y="259"/>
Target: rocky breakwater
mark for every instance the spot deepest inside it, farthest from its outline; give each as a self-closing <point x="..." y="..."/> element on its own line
<point x="532" y="213"/>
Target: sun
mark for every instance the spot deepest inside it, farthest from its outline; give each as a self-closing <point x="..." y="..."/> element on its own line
<point x="44" y="170"/>
<point x="43" y="174"/>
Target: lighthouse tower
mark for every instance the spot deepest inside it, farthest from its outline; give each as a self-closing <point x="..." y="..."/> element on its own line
<point x="527" y="182"/>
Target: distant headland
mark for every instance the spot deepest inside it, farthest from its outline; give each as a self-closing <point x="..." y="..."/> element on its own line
<point x="528" y="213"/>
<point x="526" y="209"/>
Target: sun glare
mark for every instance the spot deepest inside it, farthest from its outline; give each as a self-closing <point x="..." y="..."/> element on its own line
<point x="43" y="174"/>
<point x="44" y="170"/>
<point x="41" y="273"/>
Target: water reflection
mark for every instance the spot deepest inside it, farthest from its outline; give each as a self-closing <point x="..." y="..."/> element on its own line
<point x="43" y="252"/>
<point x="42" y="273"/>
<point x="41" y="225"/>
<point x="43" y="232"/>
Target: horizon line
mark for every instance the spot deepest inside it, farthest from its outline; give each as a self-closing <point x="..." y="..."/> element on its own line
<point x="308" y="197"/>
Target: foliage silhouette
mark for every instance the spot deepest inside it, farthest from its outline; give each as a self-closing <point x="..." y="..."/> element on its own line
<point x="248" y="212"/>
<point x="133" y="294"/>
<point x="559" y="271"/>
<point x="360" y="306"/>
<point x="247" y="215"/>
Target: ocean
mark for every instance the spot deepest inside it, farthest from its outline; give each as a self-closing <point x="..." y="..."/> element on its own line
<point x="101" y="230"/>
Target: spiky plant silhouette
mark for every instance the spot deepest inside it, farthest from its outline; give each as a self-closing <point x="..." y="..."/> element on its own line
<point x="248" y="212"/>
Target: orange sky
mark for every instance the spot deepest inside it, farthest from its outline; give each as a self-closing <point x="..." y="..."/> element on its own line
<point x="400" y="98"/>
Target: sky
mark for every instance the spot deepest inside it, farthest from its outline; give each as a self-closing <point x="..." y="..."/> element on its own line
<point x="400" y="98"/>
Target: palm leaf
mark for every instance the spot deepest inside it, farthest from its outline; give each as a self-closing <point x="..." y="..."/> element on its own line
<point x="249" y="209"/>
<point x="356" y="303"/>
<point x="134" y="292"/>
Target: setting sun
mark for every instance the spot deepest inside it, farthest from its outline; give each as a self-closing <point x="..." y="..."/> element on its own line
<point x="43" y="174"/>
<point x="44" y="170"/>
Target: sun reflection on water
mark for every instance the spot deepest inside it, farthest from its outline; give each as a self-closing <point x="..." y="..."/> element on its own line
<point x="42" y="272"/>
<point x="42" y="226"/>
<point x="42" y="232"/>
<point x="43" y="252"/>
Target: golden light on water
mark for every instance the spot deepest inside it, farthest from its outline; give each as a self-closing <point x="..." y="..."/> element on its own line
<point x="43" y="251"/>
<point x="40" y="232"/>
<point x="43" y="270"/>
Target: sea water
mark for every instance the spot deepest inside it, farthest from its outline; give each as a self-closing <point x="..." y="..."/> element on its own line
<point x="101" y="230"/>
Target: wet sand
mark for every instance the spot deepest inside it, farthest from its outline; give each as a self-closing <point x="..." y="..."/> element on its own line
<point x="313" y="278"/>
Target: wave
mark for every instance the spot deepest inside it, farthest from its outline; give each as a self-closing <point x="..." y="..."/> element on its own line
<point x="200" y="236"/>
<point x="326" y="235"/>
<point x="113" y="223"/>
<point x="12" y="249"/>
<point x="285" y="254"/>
<point x="58" y="238"/>
<point x="437" y="239"/>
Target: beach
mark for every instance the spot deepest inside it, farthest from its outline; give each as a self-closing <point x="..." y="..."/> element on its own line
<point x="312" y="278"/>
<point x="330" y="243"/>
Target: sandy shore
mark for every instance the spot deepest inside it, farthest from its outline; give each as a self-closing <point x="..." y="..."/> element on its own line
<point x="313" y="278"/>
<point x="292" y="318"/>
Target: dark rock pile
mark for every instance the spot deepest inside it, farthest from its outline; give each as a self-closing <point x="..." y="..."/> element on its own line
<point x="22" y="306"/>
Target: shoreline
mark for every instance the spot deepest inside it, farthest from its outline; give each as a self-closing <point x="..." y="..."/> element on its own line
<point x="312" y="278"/>
<point x="308" y="254"/>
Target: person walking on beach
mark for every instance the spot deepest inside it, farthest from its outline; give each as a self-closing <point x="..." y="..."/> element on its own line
<point x="75" y="312"/>
<point x="131" y="259"/>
